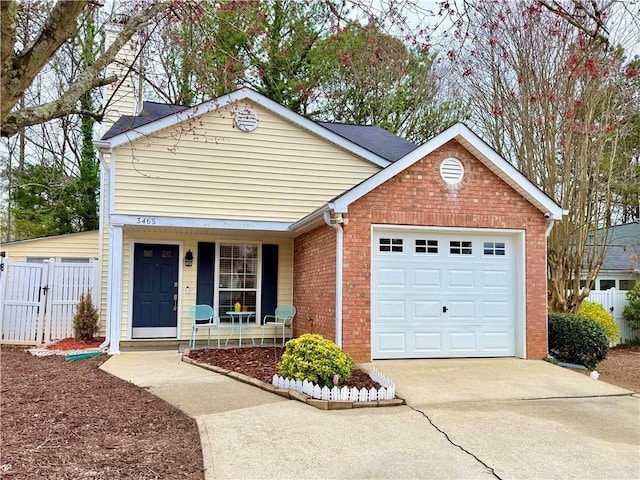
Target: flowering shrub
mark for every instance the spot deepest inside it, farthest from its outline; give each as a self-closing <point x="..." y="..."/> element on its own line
<point x="316" y="359"/>
<point x="597" y="312"/>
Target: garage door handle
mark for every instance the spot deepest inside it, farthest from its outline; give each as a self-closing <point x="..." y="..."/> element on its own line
<point x="444" y="309"/>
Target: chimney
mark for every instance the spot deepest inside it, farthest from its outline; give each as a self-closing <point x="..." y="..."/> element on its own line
<point x="124" y="95"/>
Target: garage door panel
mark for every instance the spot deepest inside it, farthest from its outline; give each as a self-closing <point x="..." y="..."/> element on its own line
<point x="461" y="279"/>
<point x="498" y="342"/>
<point x="428" y="342"/>
<point x="461" y="310"/>
<point x="426" y="278"/>
<point x="496" y="310"/>
<point x="463" y="342"/>
<point x="426" y="310"/>
<point x="393" y="343"/>
<point x="411" y="286"/>
<point x="496" y="279"/>
<point x="392" y="277"/>
<point x="390" y="310"/>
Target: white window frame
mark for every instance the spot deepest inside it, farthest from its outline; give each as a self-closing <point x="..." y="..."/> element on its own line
<point x="216" y="280"/>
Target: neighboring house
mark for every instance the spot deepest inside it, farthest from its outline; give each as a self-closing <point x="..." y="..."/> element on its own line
<point x="73" y="247"/>
<point x="621" y="265"/>
<point x="619" y="273"/>
<point x="391" y="250"/>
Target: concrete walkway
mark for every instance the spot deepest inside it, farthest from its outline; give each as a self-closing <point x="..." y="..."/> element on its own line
<point x="504" y="418"/>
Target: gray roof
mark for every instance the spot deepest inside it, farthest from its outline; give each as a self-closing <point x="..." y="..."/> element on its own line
<point x="623" y="250"/>
<point x="375" y="139"/>
<point x="151" y="111"/>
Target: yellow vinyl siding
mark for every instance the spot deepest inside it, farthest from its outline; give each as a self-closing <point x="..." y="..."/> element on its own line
<point x="76" y="245"/>
<point x="210" y="169"/>
<point x="188" y="275"/>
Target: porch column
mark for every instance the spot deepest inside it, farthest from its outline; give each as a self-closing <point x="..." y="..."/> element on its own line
<point x="114" y="288"/>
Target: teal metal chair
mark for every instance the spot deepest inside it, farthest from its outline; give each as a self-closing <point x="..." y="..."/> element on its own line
<point x="202" y="318"/>
<point x="282" y="319"/>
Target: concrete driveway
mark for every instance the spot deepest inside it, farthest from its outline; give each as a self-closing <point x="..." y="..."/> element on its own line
<point x="481" y="419"/>
<point x="525" y="418"/>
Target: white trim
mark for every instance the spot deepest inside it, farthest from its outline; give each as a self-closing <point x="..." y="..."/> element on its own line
<point x="216" y="279"/>
<point x="520" y="321"/>
<point x="229" y="99"/>
<point x="311" y="220"/>
<point x="336" y="224"/>
<point x="114" y="288"/>
<point x="478" y="148"/>
<point x="181" y="253"/>
<point x="422" y="228"/>
<point x="186" y="222"/>
<point x="148" y="333"/>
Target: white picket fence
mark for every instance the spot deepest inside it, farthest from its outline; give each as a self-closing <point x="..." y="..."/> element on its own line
<point x="386" y="392"/>
<point x="615" y="301"/>
<point x="38" y="300"/>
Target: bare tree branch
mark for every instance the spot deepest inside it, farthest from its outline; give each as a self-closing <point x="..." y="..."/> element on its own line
<point x="91" y="78"/>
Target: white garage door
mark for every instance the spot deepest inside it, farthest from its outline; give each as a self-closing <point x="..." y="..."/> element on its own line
<point x="442" y="294"/>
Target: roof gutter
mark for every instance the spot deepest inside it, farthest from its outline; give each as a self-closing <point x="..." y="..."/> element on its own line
<point x="336" y="221"/>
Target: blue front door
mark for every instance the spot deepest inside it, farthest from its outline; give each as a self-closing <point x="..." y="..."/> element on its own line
<point x="155" y="291"/>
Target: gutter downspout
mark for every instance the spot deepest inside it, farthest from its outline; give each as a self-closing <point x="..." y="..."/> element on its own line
<point x="336" y="223"/>
<point x="104" y="202"/>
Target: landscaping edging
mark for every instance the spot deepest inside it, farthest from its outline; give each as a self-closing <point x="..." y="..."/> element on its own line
<point x="292" y="394"/>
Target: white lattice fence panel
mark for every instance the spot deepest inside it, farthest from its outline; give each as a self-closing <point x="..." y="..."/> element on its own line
<point x="67" y="282"/>
<point x="21" y="303"/>
<point x="38" y="300"/>
<point x="615" y="301"/>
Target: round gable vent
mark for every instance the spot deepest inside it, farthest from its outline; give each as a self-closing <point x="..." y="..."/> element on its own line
<point x="246" y="120"/>
<point x="452" y="170"/>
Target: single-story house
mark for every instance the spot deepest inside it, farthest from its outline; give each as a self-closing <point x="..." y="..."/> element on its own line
<point x="390" y="249"/>
<point x="72" y="247"/>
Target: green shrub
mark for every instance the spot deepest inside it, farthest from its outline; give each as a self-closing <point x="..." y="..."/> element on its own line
<point x="316" y="359"/>
<point x="631" y="312"/>
<point x="85" y="320"/>
<point x="597" y="312"/>
<point x="579" y="340"/>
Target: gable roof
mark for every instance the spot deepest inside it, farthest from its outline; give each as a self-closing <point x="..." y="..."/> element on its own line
<point x="474" y="144"/>
<point x="623" y="248"/>
<point x="376" y="139"/>
<point x="151" y="111"/>
<point x="128" y="129"/>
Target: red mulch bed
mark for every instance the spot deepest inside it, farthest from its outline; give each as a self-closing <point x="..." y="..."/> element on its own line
<point x="262" y="363"/>
<point x="69" y="420"/>
<point x="621" y="367"/>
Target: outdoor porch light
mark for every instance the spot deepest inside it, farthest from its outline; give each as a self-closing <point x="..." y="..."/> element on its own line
<point x="188" y="259"/>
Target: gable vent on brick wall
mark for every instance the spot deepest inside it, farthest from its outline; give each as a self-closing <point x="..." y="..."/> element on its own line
<point x="452" y="170"/>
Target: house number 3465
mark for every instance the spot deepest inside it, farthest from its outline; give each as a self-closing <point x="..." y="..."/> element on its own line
<point x="146" y="220"/>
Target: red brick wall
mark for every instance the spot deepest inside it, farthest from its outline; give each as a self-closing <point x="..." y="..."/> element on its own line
<point x="314" y="282"/>
<point x="418" y="196"/>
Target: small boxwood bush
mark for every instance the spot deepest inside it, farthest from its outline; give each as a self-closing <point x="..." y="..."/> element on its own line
<point x="597" y="312"/>
<point x="316" y="359"/>
<point x="579" y="340"/>
<point x="631" y="312"/>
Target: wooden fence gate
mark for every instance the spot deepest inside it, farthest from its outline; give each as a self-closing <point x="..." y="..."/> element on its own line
<point x="38" y="300"/>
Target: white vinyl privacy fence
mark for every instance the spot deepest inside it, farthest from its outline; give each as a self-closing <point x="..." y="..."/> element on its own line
<point x="615" y="301"/>
<point x="38" y="300"/>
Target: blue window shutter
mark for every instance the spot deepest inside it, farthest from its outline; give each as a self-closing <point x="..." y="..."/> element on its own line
<point x="206" y="263"/>
<point x="269" y="280"/>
